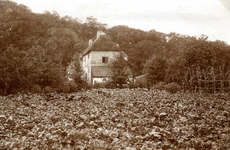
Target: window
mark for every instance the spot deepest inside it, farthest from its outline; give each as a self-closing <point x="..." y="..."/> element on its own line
<point x="104" y="59"/>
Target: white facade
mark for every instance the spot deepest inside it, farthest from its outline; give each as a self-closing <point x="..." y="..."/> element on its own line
<point x="96" y="58"/>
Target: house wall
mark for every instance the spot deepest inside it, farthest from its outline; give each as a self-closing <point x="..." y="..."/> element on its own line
<point x="96" y="56"/>
<point x="87" y="67"/>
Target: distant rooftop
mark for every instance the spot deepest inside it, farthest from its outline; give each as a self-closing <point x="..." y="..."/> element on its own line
<point x="102" y="43"/>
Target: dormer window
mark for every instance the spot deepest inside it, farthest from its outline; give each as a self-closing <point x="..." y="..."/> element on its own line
<point x="104" y="59"/>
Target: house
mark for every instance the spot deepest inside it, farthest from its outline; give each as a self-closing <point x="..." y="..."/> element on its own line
<point x="96" y="57"/>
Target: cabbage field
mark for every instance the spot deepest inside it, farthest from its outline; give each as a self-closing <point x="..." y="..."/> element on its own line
<point x="115" y="119"/>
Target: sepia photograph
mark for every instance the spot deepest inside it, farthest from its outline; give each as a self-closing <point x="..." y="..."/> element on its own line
<point x="115" y="75"/>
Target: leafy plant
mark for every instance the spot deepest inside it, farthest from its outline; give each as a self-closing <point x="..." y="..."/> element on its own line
<point x="160" y="86"/>
<point x="172" y="87"/>
<point x="115" y="119"/>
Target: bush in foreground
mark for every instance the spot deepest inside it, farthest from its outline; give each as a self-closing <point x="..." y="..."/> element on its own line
<point x="170" y="87"/>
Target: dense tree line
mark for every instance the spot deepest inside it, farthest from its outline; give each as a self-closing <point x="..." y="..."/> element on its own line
<point x="173" y="57"/>
<point x="196" y="59"/>
<point x="36" y="49"/>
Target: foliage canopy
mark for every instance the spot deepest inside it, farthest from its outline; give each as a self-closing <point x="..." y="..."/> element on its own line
<point x="36" y="49"/>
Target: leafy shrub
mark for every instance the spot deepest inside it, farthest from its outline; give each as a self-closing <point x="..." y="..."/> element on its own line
<point x="15" y="90"/>
<point x="133" y="85"/>
<point x="68" y="87"/>
<point x="82" y="85"/>
<point x="170" y="87"/>
<point x="72" y="87"/>
<point x="160" y="86"/>
<point x="99" y="85"/>
<point x="64" y="89"/>
<point x="78" y="86"/>
<point x="1" y="91"/>
<point x="109" y="85"/>
<point x="49" y="89"/>
<point x="36" y="89"/>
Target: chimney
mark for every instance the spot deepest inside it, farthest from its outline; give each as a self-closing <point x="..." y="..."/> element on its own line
<point x="90" y="42"/>
<point x="99" y="33"/>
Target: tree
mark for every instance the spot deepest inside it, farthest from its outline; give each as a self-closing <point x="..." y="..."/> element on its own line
<point x="202" y="58"/>
<point x="75" y="74"/>
<point x="156" y="69"/>
<point x="137" y="44"/>
<point x="90" y="27"/>
<point x="175" y="71"/>
<point x="64" y="41"/>
<point x="119" y="71"/>
<point x="46" y="67"/>
<point x="12" y="68"/>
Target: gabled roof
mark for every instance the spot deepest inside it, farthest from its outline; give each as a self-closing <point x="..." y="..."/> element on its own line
<point x="102" y="43"/>
<point x="100" y="71"/>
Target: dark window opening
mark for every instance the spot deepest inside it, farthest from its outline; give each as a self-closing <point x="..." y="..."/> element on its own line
<point x="104" y="59"/>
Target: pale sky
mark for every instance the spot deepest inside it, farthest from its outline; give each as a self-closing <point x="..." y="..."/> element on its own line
<point x="187" y="17"/>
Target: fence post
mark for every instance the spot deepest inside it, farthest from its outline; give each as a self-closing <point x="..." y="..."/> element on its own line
<point x="205" y="86"/>
<point x="183" y="87"/>
<point x="228" y="89"/>
<point x="221" y="82"/>
<point x="214" y="86"/>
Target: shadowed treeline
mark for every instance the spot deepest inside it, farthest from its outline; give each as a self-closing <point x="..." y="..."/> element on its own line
<point x="36" y="49"/>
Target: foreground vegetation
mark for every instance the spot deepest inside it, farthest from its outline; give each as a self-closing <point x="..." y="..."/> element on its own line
<point x="115" y="119"/>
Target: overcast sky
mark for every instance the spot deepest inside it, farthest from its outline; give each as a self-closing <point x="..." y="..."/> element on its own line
<point x="188" y="17"/>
